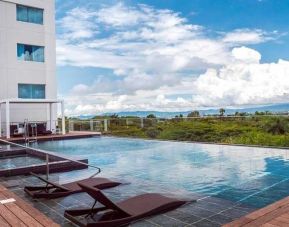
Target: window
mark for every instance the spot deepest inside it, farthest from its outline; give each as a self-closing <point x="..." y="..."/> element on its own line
<point x="31" y="91"/>
<point x="30" y="53"/>
<point x="29" y="14"/>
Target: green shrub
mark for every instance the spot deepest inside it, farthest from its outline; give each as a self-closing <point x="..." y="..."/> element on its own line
<point x="152" y="133"/>
<point x="277" y="126"/>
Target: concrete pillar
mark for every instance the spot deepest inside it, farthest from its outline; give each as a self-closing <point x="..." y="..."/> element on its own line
<point x="50" y="115"/>
<point x="7" y="120"/>
<point x="0" y="120"/>
<point x="63" y="117"/>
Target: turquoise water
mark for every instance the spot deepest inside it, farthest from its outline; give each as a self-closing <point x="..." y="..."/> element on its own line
<point x="253" y="176"/>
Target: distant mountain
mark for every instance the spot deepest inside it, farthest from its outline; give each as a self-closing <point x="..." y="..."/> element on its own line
<point x="277" y="108"/>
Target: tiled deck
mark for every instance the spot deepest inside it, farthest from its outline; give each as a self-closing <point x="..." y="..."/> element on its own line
<point x="19" y="213"/>
<point x="276" y="214"/>
<point x="207" y="211"/>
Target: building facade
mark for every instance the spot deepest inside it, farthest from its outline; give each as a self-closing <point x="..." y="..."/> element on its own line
<point x="28" y="58"/>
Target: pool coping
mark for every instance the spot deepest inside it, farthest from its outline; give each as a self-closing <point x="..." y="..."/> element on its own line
<point x="198" y="142"/>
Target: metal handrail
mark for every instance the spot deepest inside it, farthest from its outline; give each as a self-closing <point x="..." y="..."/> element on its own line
<point x="47" y="153"/>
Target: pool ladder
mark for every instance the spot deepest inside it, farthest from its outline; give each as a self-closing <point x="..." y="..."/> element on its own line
<point x="33" y="137"/>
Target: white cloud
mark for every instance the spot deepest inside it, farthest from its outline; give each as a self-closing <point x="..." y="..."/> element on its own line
<point x="119" y="15"/>
<point x="78" y="24"/>
<point x="247" y="36"/>
<point x="157" y="56"/>
<point x="244" y="82"/>
<point x="246" y="55"/>
<point x="135" y="38"/>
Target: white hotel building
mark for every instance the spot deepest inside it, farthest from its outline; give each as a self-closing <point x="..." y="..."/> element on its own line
<point x="28" y="88"/>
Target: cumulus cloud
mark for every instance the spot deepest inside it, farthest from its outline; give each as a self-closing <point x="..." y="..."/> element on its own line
<point x="244" y="82"/>
<point x="160" y="61"/>
<point x="246" y="55"/>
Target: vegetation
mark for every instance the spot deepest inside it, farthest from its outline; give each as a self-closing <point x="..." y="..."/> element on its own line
<point x="194" y="114"/>
<point x="261" y="128"/>
<point x="252" y="130"/>
<point x="151" y="116"/>
<point x="222" y="111"/>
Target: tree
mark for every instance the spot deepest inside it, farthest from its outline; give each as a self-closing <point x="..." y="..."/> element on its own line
<point x="113" y="116"/>
<point x="194" y="114"/>
<point x="151" y="116"/>
<point x="222" y="111"/>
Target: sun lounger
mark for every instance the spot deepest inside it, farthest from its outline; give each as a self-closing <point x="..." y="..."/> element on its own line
<point x="53" y="190"/>
<point x="121" y="213"/>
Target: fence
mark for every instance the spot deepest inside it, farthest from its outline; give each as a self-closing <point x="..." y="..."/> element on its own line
<point x="122" y="123"/>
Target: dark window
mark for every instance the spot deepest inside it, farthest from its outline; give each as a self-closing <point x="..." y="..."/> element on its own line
<point x="29" y="14"/>
<point x="31" y="91"/>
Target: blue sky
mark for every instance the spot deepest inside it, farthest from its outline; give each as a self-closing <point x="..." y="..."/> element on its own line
<point x="171" y="55"/>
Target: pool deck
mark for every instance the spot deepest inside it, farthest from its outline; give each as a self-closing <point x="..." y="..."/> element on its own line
<point x="70" y="135"/>
<point x="276" y="214"/>
<point x="19" y="213"/>
<point x="206" y="211"/>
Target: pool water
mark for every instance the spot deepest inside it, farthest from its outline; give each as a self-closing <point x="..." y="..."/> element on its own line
<point x="12" y="162"/>
<point x="251" y="176"/>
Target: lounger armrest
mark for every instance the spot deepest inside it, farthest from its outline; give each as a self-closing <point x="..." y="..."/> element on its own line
<point x="98" y="196"/>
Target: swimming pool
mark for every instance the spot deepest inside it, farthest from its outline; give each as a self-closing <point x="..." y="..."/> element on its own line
<point x="251" y="176"/>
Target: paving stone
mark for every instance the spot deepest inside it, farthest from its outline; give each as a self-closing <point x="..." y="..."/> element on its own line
<point x="197" y="211"/>
<point x="206" y="223"/>
<point x="183" y="217"/>
<point x="233" y="213"/>
<point x="220" y="219"/>
<point x="143" y="224"/>
<point x="166" y="221"/>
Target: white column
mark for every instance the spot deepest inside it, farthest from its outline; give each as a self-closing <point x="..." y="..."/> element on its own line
<point x="0" y="120"/>
<point x="63" y="117"/>
<point x="50" y="115"/>
<point x="7" y="120"/>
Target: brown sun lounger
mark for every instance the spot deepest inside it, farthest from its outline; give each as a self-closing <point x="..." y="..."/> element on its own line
<point x="122" y="213"/>
<point x="53" y="190"/>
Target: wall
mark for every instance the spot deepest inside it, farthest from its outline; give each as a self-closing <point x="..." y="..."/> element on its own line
<point x="13" y="71"/>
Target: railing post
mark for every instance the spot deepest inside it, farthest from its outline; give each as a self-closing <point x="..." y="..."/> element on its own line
<point x="47" y="166"/>
<point x="105" y="125"/>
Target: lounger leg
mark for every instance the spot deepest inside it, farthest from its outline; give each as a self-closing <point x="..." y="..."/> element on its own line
<point x="91" y="214"/>
<point x="80" y="212"/>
